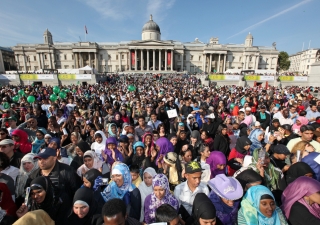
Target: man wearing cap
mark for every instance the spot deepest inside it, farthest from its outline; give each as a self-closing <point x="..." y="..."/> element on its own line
<point x="186" y="191"/>
<point x="7" y="147"/>
<point x="278" y="157"/>
<point x="12" y="124"/>
<point x="61" y="175"/>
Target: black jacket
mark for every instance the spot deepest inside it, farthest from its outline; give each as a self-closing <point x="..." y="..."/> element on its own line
<point x="221" y="143"/>
<point x="69" y="181"/>
<point x="264" y="122"/>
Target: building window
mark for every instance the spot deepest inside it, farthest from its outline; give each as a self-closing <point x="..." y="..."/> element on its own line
<point x="179" y="57"/>
<point x="72" y="56"/>
<point x="34" y="58"/>
<point x="240" y="59"/>
<point x="109" y="57"/>
<point x="45" y="56"/>
<point x="57" y="57"/>
<point x="184" y="57"/>
<point x="199" y="58"/>
<point x="101" y="57"/>
<point x="72" y="66"/>
<point x="233" y="58"/>
<point x="66" y="66"/>
<point x="117" y="57"/>
<point x="191" y="57"/>
<point x="307" y="67"/>
<point x="36" y="68"/>
<point x="122" y="56"/>
<point x="65" y="57"/>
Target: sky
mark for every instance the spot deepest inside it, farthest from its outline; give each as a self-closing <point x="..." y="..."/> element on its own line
<point x="289" y="23"/>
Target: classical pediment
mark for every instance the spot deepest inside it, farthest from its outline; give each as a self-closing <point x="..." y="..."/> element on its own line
<point x="150" y="43"/>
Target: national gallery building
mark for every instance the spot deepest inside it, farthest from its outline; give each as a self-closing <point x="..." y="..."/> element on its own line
<point x="151" y="54"/>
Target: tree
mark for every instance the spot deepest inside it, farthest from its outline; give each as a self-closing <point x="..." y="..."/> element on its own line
<point x="283" y="61"/>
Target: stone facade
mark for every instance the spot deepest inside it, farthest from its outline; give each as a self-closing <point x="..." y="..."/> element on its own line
<point x="7" y="60"/>
<point x="301" y="61"/>
<point x="151" y="54"/>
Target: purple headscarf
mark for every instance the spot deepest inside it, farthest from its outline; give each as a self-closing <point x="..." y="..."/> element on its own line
<point x="108" y="152"/>
<point x="216" y="158"/>
<point x="302" y="186"/>
<point x="165" y="147"/>
<point x="159" y="180"/>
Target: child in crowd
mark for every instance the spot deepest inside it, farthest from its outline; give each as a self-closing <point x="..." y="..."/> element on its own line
<point x="135" y="175"/>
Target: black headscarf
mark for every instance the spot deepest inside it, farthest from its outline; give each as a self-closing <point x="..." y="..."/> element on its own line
<point x="248" y="176"/>
<point x="50" y="201"/>
<point x="83" y="146"/>
<point x="241" y="142"/>
<point x="84" y="194"/>
<point x="91" y="175"/>
<point x="243" y="132"/>
<point x="202" y="208"/>
<point x="296" y="170"/>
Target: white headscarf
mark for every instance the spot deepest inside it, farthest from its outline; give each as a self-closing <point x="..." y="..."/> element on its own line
<point x="97" y="163"/>
<point x="145" y="190"/>
<point x="99" y="147"/>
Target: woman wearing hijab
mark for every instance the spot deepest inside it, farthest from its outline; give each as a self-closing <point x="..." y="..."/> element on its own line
<point x="207" y="140"/>
<point x="244" y="131"/>
<point x="122" y="188"/>
<point x="217" y="162"/>
<point x="37" y="217"/>
<point x="80" y="149"/>
<point x="222" y="140"/>
<point x="315" y="166"/>
<point x="39" y="141"/>
<point x="7" y="204"/>
<point x="100" y="142"/>
<point x="301" y="200"/>
<point x="248" y="178"/>
<point x="42" y="196"/>
<point x="271" y="174"/>
<point x="75" y="138"/>
<point x="301" y="120"/>
<point x="224" y="195"/>
<point x="85" y="209"/>
<point x="296" y="170"/>
<point x="237" y="154"/>
<point x="161" y="195"/>
<point x="90" y="161"/>
<point x="258" y="207"/>
<point x="163" y="146"/>
<point x="145" y="187"/>
<point x="28" y="165"/>
<point x="256" y="137"/>
<point x="112" y="130"/>
<point x="203" y="211"/>
<point x="111" y="153"/>
<point x="21" y="142"/>
<point x="195" y="141"/>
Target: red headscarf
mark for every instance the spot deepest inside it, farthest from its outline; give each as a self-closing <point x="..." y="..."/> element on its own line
<point x="7" y="203"/>
<point x="24" y="145"/>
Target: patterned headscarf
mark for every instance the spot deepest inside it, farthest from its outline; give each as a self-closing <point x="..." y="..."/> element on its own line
<point x="113" y="191"/>
<point x="160" y="180"/>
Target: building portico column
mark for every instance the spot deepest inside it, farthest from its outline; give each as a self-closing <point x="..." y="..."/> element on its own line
<point x="141" y="60"/>
<point x="171" y="60"/>
<point x="204" y="63"/>
<point x="154" y="60"/>
<point x="43" y="63"/>
<point x="166" y="60"/>
<point x="129" y="59"/>
<point x="96" y="62"/>
<point x="210" y="64"/>
<point x="224" y="63"/>
<point x="24" y="62"/>
<point x="119" y="61"/>
<point x="182" y="61"/>
<point x="219" y="63"/>
<point x="159" y="59"/>
<point x="39" y="62"/>
<point x="148" y="59"/>
<point x="135" y="59"/>
<point x="257" y="62"/>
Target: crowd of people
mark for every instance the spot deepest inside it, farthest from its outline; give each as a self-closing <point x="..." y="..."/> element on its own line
<point x="159" y="150"/>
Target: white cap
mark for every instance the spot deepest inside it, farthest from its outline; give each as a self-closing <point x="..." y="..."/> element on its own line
<point x="257" y="124"/>
<point x="211" y="116"/>
<point x="248" y="109"/>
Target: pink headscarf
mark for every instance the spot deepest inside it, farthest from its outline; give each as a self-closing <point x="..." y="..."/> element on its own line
<point x="302" y="186"/>
<point x="247" y="120"/>
<point x="303" y="120"/>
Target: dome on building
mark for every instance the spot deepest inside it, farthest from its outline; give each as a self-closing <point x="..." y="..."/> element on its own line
<point x="249" y="36"/>
<point x="151" y="26"/>
<point x="47" y="32"/>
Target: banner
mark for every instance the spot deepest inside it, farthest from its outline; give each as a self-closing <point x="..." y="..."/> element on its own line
<point x="255" y="78"/>
<point x="169" y="59"/>
<point x="7" y="76"/>
<point x="133" y="59"/>
<point x="224" y="77"/>
<point x="36" y="76"/>
<point x="293" y="78"/>
<point x="74" y="76"/>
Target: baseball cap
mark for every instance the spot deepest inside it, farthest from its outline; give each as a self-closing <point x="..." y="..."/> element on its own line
<point x="46" y="153"/>
<point x="12" y="118"/>
<point x="6" y="142"/>
<point x="281" y="149"/>
<point x="124" y="139"/>
<point x="193" y="167"/>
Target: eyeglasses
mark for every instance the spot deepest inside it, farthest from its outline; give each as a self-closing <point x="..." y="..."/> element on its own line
<point x="2" y="133"/>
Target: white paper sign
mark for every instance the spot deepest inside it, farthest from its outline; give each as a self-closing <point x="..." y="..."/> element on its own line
<point x="172" y="113"/>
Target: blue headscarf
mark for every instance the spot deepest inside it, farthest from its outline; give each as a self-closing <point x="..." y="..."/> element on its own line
<point x="113" y="191"/>
<point x="111" y="134"/>
<point x="250" y="205"/>
<point x="254" y="139"/>
<point x="36" y="144"/>
<point x="309" y="159"/>
<point x="137" y="144"/>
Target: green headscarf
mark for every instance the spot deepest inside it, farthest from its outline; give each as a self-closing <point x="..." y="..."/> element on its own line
<point x="271" y="173"/>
